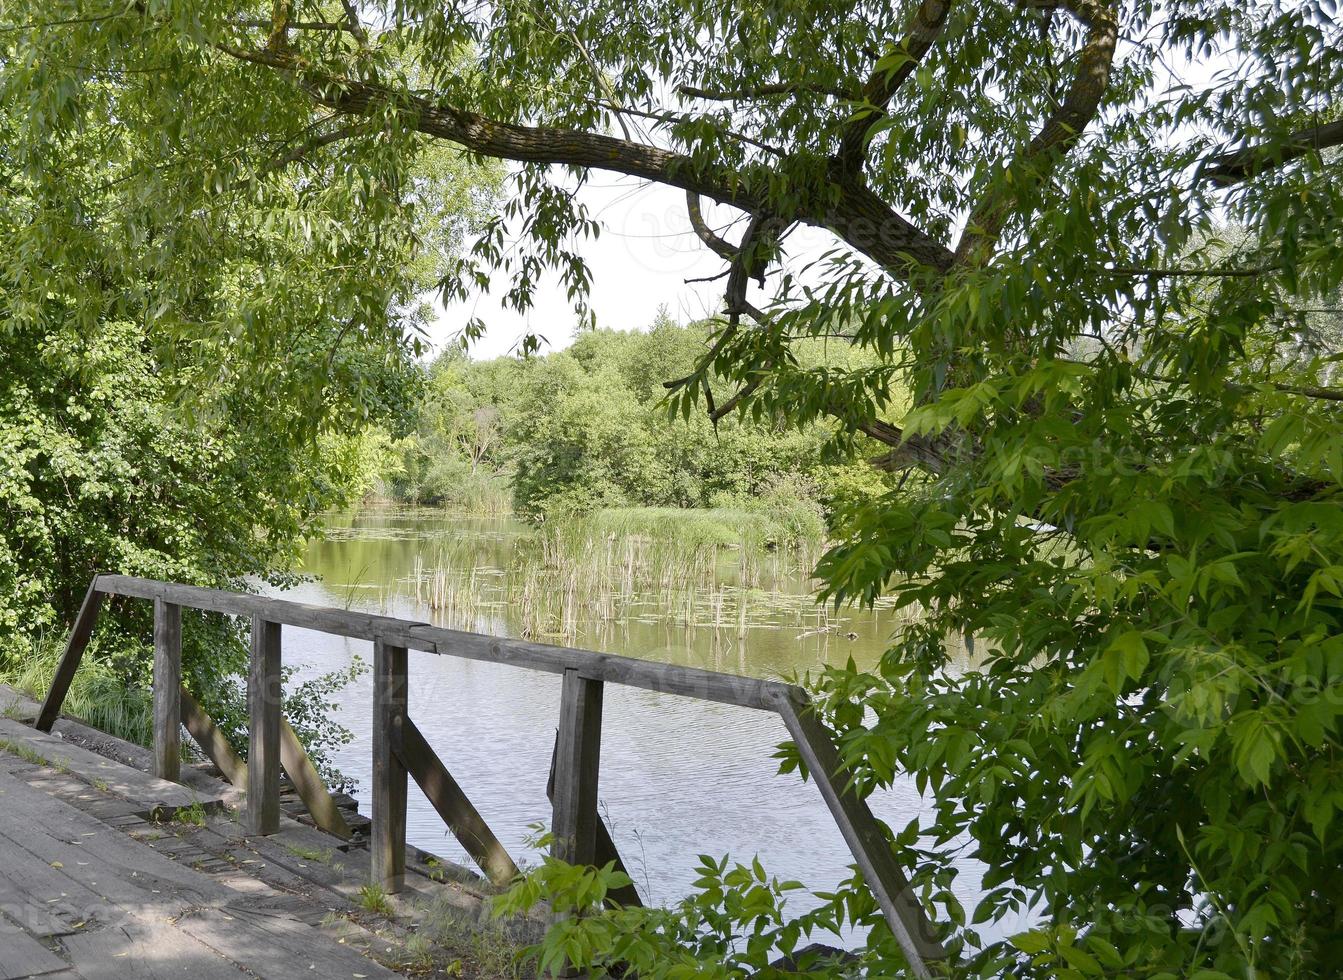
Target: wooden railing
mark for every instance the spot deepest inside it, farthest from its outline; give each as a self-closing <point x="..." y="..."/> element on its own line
<point x="400" y="751"/>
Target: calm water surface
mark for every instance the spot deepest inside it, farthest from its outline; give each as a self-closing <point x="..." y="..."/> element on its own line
<point x="679" y="777"/>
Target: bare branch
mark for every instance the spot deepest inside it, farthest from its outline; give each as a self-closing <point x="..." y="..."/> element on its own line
<point x="299" y="25"/>
<point x="308" y="146"/>
<point x="706" y="234"/>
<point x="713" y="278"/>
<point x="352" y="20"/>
<point x="1318" y="392"/>
<point x="38" y="25"/>
<point x="766" y="91"/>
<point x="675" y="117"/>
<point x="1310" y="391"/>
<point x="1139" y="272"/>
<point x="717" y="415"/>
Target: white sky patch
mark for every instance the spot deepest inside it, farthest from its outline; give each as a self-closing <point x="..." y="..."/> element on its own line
<point x="639" y="263"/>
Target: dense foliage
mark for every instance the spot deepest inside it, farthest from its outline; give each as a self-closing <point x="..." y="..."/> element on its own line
<point x="587" y="428"/>
<point x="197" y="328"/>
<point x="1122" y="442"/>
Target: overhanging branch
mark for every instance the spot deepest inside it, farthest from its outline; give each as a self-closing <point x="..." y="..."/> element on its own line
<point x="1060" y="131"/>
<point x="857" y="215"/>
<point x="881" y="87"/>
<point x="1234" y="166"/>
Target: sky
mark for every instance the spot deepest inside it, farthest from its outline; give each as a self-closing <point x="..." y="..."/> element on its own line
<point x="639" y="263"/>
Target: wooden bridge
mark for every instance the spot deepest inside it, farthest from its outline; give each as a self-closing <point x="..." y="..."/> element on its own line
<point x="400" y="752"/>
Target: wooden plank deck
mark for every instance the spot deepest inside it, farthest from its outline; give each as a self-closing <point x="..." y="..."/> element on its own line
<point x="128" y="911"/>
<point x="91" y="888"/>
<point x="159" y="797"/>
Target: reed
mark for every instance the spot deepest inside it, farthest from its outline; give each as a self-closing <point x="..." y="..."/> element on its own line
<point x="719" y="570"/>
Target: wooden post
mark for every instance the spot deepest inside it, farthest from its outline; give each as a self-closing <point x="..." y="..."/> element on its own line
<point x="264" y="700"/>
<point x="388" y="844"/>
<point x="308" y="781"/>
<point x="867" y="842"/>
<point x="452" y="804"/>
<point x="167" y="690"/>
<point x="604" y="848"/>
<point x="69" y="662"/>
<point x="577" y="762"/>
<point x="212" y="741"/>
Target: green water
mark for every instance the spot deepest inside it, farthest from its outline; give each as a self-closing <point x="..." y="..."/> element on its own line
<point x="678" y="777"/>
<point x="371" y="561"/>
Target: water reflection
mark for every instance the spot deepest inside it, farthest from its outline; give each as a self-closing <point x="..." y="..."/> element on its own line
<point x="679" y="777"/>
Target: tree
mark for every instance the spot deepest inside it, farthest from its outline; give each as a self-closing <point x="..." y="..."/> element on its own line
<point x="186" y="372"/>
<point x="1119" y="484"/>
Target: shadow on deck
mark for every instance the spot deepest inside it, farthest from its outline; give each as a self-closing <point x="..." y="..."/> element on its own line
<point x="109" y="872"/>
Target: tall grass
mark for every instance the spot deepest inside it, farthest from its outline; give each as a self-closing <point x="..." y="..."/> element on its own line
<point x="451" y="588"/>
<point x="693" y="568"/>
<point x="454" y="488"/>
<point x="97" y="695"/>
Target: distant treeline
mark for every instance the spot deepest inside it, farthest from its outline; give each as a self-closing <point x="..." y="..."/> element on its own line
<point x="586" y="429"/>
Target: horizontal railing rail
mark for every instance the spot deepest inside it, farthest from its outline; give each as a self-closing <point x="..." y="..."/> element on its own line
<point x="401" y="752"/>
<point x="707" y="685"/>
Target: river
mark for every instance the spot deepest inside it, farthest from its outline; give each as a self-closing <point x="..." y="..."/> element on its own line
<point x="679" y="777"/>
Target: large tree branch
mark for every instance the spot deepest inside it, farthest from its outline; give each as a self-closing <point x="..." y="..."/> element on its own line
<point x="881" y="87"/>
<point x="858" y="216"/>
<point x="1060" y="131"/>
<point x="1234" y="166"/>
<point x="907" y="452"/>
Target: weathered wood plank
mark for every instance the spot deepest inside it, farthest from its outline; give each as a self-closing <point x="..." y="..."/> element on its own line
<point x="23" y="956"/>
<point x="264" y="701"/>
<point x="150" y="795"/>
<point x="308" y="782"/>
<point x="212" y="741"/>
<point x="69" y="662"/>
<point x="605" y="847"/>
<point x="42" y="898"/>
<point x="93" y="856"/>
<point x="142" y="916"/>
<point x="275" y="947"/>
<point x="388" y="843"/>
<point x="706" y="685"/>
<point x="577" y="764"/>
<point x="138" y="887"/>
<point x="868" y="843"/>
<point x="447" y="797"/>
<point x="144" y="949"/>
<point x="167" y="690"/>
